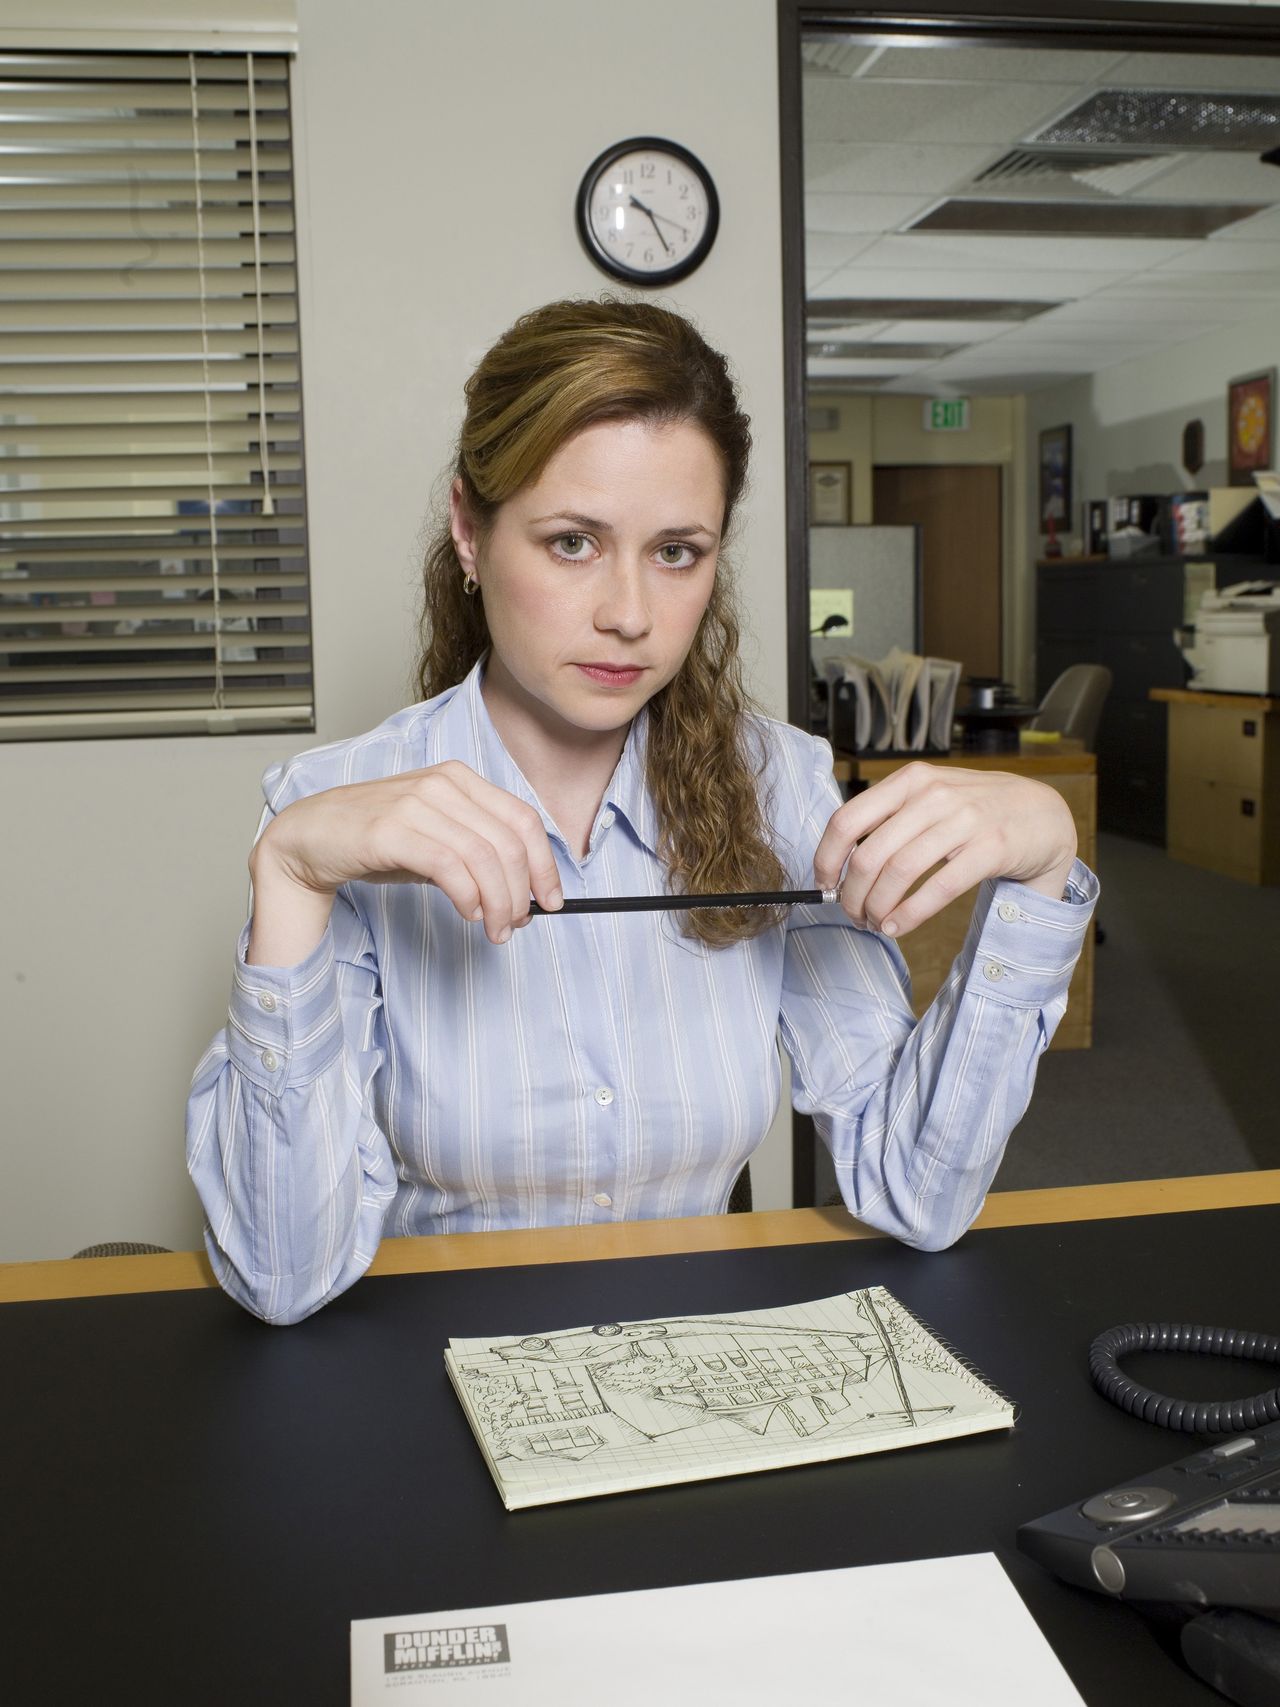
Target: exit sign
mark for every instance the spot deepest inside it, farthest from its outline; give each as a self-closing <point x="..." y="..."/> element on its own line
<point x="946" y="415"/>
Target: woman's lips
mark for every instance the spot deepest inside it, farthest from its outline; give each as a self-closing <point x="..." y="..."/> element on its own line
<point x="613" y="676"/>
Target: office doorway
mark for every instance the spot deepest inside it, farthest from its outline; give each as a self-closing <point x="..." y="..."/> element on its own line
<point x="997" y="204"/>
<point x="958" y="512"/>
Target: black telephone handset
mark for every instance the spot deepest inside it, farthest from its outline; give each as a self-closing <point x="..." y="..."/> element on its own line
<point x="1202" y="1533"/>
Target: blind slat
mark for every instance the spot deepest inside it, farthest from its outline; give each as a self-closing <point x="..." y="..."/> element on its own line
<point x="91" y="287"/>
<point x="141" y="252"/>
<point x="88" y="499"/>
<point x="143" y="225"/>
<point x="18" y="414"/>
<point x="114" y="345"/>
<point x="137" y="130"/>
<point x="153" y="67"/>
<point x="85" y="95"/>
<point x="169" y="640"/>
<point x="243" y="314"/>
<point x="138" y="376"/>
<point x="177" y="610"/>
<point x="132" y="189"/>
<point x="218" y="167"/>
<point x="175" y="547"/>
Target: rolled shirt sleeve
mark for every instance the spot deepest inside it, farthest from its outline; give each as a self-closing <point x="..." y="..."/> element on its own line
<point x="917" y="1115"/>
<point x="283" y="1145"/>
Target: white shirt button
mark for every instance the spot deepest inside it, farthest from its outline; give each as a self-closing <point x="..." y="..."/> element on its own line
<point x="607" y="818"/>
<point x="267" y="1002"/>
<point x="993" y="970"/>
<point x="602" y="1200"/>
<point x="269" y="1061"/>
<point x="1008" y="911"/>
<point x="604" y="1096"/>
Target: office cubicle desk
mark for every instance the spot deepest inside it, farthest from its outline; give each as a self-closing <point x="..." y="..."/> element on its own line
<point x="197" y="1505"/>
<point x="930" y="949"/>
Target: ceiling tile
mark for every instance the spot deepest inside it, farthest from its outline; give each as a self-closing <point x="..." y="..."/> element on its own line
<point x="1224" y="258"/>
<point x="892" y="167"/>
<point x="965" y="115"/>
<point x="858" y="213"/>
<point x="999" y="284"/>
<point x="1196" y="71"/>
<point x="833" y="248"/>
<point x="1077" y="254"/>
<point x="1216" y="177"/>
<point x="941" y="62"/>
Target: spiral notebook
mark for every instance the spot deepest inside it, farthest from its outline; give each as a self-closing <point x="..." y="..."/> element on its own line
<point x="606" y="1409"/>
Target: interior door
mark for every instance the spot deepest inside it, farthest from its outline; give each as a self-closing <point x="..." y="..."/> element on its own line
<point x="958" y="512"/>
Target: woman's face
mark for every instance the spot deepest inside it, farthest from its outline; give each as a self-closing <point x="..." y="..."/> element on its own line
<point x="595" y="577"/>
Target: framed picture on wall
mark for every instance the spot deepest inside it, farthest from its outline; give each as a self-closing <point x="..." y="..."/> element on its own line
<point x="1055" y="479"/>
<point x="830" y="494"/>
<point x="1250" y="425"/>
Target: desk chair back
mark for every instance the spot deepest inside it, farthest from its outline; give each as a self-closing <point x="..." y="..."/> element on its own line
<point x="1073" y="705"/>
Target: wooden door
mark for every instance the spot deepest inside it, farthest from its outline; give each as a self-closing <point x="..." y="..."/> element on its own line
<point x="958" y="512"/>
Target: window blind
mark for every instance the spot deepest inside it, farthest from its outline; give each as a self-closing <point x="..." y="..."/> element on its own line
<point x="153" y="547"/>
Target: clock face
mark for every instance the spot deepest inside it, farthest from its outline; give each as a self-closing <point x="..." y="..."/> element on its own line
<point x="647" y="211"/>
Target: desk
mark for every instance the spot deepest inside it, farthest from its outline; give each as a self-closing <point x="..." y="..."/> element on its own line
<point x="930" y="949"/>
<point x="198" y="1506"/>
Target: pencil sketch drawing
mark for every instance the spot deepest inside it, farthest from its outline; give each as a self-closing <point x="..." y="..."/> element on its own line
<point x="682" y="1382"/>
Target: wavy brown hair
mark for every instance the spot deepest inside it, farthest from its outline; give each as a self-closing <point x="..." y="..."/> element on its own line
<point x="558" y="370"/>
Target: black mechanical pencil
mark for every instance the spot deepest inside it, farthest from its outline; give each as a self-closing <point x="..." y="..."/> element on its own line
<point x="687" y="903"/>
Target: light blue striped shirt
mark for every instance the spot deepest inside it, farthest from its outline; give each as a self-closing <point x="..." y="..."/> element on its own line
<point x="410" y="1077"/>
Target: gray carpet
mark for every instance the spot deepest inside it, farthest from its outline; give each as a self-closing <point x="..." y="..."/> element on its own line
<point x="1184" y="1073"/>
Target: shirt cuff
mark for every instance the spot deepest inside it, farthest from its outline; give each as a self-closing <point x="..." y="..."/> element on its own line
<point x="284" y="1024"/>
<point x="1028" y="944"/>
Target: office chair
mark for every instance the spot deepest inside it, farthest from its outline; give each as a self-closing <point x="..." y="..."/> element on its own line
<point x="1073" y="705"/>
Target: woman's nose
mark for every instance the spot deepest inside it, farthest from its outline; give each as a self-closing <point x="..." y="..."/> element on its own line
<point x="623" y="606"/>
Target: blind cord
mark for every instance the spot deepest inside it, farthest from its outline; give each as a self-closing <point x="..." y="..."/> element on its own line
<point x="219" y="686"/>
<point x="268" y="503"/>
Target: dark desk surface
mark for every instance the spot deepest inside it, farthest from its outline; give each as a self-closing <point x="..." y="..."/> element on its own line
<point x="197" y="1506"/>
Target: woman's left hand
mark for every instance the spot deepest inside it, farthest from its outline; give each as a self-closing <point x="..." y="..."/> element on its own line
<point x="969" y="824"/>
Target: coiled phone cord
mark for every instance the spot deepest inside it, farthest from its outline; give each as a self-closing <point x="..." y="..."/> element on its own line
<point x="1192" y="1416"/>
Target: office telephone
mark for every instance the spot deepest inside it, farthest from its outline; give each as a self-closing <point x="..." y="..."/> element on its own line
<point x="1201" y="1533"/>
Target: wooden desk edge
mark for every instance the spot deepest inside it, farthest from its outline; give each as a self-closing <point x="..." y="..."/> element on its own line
<point x="176" y="1271"/>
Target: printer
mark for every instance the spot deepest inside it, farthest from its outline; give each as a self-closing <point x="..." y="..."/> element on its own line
<point x="1234" y="644"/>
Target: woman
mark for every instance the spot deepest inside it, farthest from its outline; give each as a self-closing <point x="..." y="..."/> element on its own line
<point x="408" y="1051"/>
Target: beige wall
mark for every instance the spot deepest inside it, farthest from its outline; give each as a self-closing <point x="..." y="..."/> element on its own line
<point x="438" y="150"/>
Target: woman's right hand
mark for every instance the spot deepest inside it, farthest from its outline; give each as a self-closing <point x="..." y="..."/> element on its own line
<point x="486" y="850"/>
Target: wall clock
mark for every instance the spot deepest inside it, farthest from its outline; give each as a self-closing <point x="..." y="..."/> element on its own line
<point x="647" y="211"/>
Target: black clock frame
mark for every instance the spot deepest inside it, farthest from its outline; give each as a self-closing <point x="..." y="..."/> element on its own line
<point x="619" y="269"/>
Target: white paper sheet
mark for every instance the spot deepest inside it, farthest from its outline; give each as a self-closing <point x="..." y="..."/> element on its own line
<point x="930" y="1633"/>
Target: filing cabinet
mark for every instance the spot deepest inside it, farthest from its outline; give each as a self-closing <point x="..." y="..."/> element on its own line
<point x="1224" y="782"/>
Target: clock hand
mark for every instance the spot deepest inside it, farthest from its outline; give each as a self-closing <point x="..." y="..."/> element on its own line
<point x="635" y="202"/>
<point x="667" y="220"/>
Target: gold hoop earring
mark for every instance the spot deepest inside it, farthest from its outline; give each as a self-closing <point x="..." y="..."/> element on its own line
<point x="469" y="583"/>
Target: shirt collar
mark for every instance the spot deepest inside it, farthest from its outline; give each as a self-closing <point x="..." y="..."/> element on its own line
<point x="466" y="732"/>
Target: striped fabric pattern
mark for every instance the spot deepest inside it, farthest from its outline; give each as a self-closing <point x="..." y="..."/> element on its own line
<point x="409" y="1077"/>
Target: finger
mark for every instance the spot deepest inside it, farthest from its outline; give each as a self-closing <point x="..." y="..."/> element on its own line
<point x="460" y="860"/>
<point x="495" y="840"/>
<point x="543" y="875"/>
<point x="909" y="861"/>
<point x="953" y="878"/>
<point x="883" y="857"/>
<point x="858" y="817"/>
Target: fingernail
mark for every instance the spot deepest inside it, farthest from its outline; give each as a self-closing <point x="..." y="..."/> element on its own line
<point x="477" y="915"/>
<point x="889" y="927"/>
<point x="504" y="935"/>
<point x="555" y="898"/>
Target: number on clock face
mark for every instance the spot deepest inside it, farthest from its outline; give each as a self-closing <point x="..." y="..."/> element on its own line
<point x="648" y="209"/>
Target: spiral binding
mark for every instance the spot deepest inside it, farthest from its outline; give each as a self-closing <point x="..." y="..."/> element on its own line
<point x="1190" y="1416"/>
<point x="978" y="1378"/>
